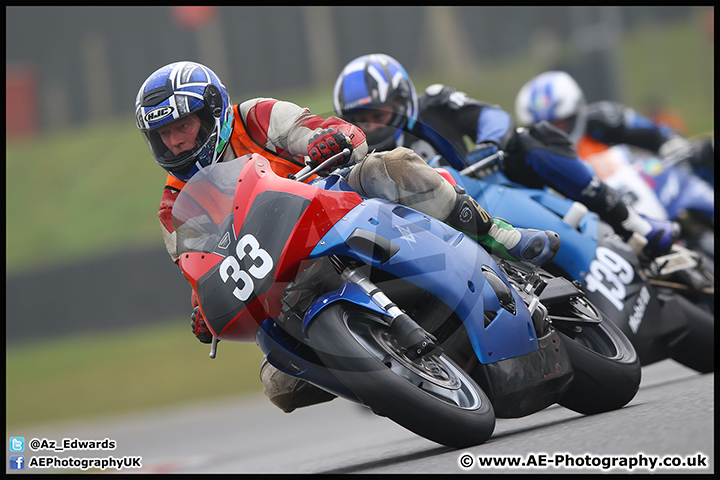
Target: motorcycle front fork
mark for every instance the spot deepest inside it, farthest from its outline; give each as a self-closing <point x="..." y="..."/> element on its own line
<point x="412" y="337"/>
<point x="530" y="286"/>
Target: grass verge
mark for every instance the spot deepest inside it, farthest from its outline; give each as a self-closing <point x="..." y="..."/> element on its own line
<point x="125" y="371"/>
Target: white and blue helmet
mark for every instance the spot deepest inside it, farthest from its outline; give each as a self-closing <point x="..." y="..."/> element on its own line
<point x="556" y="97"/>
<point x="176" y="91"/>
<point x="373" y="81"/>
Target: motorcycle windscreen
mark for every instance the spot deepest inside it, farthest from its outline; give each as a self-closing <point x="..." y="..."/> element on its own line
<point x="204" y="204"/>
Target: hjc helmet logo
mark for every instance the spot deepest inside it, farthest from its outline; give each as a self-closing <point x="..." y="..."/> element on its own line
<point x="158" y="114"/>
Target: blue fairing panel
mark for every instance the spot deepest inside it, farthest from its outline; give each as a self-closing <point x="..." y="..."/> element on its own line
<point x="442" y="261"/>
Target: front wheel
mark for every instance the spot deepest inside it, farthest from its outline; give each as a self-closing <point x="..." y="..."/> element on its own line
<point x="606" y="368"/>
<point x="431" y="396"/>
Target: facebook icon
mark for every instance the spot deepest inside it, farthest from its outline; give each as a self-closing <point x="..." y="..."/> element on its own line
<point x="17" y="462"/>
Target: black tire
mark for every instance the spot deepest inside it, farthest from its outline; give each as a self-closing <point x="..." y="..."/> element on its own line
<point x="436" y="400"/>
<point x="696" y="349"/>
<point x="605" y="364"/>
<point x="606" y="368"/>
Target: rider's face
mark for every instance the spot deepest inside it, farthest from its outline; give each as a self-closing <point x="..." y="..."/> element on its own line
<point x="567" y="125"/>
<point x="563" y="125"/>
<point x="181" y="135"/>
<point x="373" y="118"/>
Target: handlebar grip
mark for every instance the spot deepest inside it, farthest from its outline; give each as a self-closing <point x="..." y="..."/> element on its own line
<point x="303" y="174"/>
<point x="475" y="169"/>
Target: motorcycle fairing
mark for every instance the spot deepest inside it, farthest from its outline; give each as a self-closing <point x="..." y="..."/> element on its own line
<point x="274" y="224"/>
<point x="440" y="260"/>
<point x="258" y="229"/>
<point x="676" y="188"/>
<point x="635" y="306"/>
<point x="297" y="359"/>
<point x="593" y="254"/>
<point x="503" y="201"/>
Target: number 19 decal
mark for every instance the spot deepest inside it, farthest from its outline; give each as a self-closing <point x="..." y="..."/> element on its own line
<point x="230" y="267"/>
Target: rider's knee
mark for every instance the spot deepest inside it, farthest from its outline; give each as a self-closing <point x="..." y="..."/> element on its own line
<point x="402" y="176"/>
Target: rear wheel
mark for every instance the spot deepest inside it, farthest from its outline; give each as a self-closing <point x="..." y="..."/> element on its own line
<point x="605" y="365"/>
<point x="696" y="348"/>
<point x="431" y="396"/>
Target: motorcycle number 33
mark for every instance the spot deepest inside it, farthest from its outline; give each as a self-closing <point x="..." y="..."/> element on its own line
<point x="610" y="267"/>
<point x="230" y="268"/>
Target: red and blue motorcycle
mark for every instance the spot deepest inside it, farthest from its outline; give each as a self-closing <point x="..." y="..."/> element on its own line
<point x="382" y="305"/>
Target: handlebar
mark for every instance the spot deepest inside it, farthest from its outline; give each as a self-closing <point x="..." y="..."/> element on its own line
<point x="308" y="171"/>
<point x="476" y="169"/>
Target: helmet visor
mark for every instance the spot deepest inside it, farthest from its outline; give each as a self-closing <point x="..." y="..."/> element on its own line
<point x="179" y="145"/>
<point x="378" y="123"/>
<point x="567" y="125"/>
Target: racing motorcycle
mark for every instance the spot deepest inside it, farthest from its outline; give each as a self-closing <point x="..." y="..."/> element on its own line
<point x="390" y="308"/>
<point x="663" y="189"/>
<point x="665" y="305"/>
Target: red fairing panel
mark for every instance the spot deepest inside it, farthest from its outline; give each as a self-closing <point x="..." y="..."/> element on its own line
<point x="277" y="223"/>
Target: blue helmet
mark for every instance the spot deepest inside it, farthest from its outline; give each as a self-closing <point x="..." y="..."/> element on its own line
<point x="556" y="97"/>
<point x="373" y="81"/>
<point x="177" y="91"/>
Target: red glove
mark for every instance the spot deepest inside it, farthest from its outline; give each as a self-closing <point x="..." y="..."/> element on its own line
<point x="326" y="143"/>
<point x="198" y="325"/>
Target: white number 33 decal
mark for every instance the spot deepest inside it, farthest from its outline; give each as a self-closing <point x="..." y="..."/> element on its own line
<point x="230" y="267"/>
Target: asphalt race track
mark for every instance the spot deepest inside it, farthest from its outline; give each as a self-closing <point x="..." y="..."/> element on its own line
<point x="670" y="418"/>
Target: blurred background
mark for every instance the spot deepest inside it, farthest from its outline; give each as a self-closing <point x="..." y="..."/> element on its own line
<point x="75" y="65"/>
<point x="90" y="289"/>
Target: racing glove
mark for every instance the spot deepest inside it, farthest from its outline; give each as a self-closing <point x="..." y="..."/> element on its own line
<point x="662" y="235"/>
<point x="675" y="148"/>
<point x="326" y="143"/>
<point x="197" y="323"/>
<point x="199" y="327"/>
<point x="481" y="151"/>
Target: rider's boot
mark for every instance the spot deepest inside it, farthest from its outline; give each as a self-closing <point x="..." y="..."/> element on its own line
<point x="660" y="234"/>
<point x="287" y="392"/>
<point x="500" y="237"/>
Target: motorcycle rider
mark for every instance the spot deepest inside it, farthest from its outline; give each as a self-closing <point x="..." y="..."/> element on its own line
<point x="375" y="92"/>
<point x="556" y="97"/>
<point x="184" y="113"/>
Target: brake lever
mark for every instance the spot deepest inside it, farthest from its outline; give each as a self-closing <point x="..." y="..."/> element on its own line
<point x="487" y="163"/>
<point x="308" y="171"/>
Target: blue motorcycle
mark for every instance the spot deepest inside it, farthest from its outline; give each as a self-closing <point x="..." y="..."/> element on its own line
<point x="382" y="305"/>
<point x="686" y="198"/>
<point x="663" y="189"/>
<point x="665" y="306"/>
